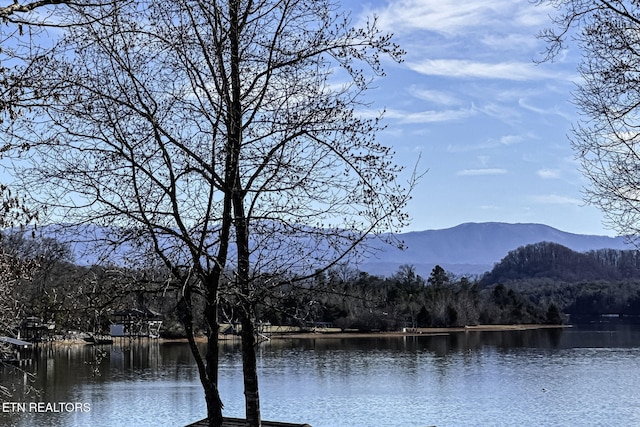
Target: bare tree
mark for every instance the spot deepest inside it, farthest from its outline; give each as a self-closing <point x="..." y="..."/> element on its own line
<point x="23" y="25"/>
<point x="13" y="269"/>
<point x="225" y="135"/>
<point x="10" y="12"/>
<point x="606" y="140"/>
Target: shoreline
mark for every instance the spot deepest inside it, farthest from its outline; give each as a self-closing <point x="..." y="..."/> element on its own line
<point x="413" y="332"/>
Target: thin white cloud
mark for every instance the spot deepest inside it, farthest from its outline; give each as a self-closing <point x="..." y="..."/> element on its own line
<point x="511" y="139"/>
<point x="555" y="199"/>
<point x="489" y="144"/>
<point x="555" y="110"/>
<point x="505" y="42"/>
<point x="452" y="17"/>
<point x="431" y="116"/>
<point x="481" y="172"/>
<point x="548" y="173"/>
<point x="438" y="97"/>
<point x="462" y="68"/>
<point x="437" y="16"/>
<point x="503" y="112"/>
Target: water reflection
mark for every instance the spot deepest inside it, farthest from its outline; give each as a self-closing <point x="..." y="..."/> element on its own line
<point x="544" y="377"/>
<point x="439" y="345"/>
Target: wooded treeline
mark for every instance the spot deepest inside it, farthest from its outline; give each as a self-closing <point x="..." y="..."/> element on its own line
<point x="532" y="284"/>
<point x="365" y="302"/>
<point x="604" y="281"/>
<point x="84" y="298"/>
<point x="556" y="262"/>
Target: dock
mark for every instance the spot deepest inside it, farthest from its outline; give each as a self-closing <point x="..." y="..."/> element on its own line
<point x="15" y="356"/>
<point x="15" y="342"/>
<point x="241" y="422"/>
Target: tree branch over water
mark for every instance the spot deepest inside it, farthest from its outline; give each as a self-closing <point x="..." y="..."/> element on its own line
<point x="224" y="138"/>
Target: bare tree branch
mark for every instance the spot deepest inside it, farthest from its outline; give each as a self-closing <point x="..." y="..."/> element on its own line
<point x="216" y="133"/>
<point x="606" y="140"/>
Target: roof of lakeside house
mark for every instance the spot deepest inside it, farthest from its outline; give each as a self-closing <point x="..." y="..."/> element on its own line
<point x="15" y="342"/>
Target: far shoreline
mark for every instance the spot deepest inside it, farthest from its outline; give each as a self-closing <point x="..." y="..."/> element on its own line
<point x="414" y="332"/>
<point x="333" y="334"/>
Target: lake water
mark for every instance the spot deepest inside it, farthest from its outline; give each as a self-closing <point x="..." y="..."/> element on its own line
<point x="588" y="375"/>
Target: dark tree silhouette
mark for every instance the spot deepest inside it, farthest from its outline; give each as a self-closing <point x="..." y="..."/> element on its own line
<point x="222" y="136"/>
<point x="606" y="139"/>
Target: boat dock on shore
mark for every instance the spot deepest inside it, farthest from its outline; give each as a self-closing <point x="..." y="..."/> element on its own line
<point x="241" y="422"/>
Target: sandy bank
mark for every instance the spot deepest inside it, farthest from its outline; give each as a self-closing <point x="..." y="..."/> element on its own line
<point x="336" y="334"/>
<point x="414" y="331"/>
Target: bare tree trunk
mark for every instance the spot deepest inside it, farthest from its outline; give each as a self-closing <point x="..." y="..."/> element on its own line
<point x="208" y="372"/>
<point x="254" y="79"/>
<point x="249" y="367"/>
<point x="250" y="371"/>
<point x="214" y="403"/>
<point x="252" y="397"/>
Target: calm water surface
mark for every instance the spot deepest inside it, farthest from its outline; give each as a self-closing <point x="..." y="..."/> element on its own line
<point x="588" y="375"/>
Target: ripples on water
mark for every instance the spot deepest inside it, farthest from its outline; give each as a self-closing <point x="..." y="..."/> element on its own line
<point x="585" y="376"/>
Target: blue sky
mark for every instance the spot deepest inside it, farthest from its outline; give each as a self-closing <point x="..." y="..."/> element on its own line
<point x="490" y="125"/>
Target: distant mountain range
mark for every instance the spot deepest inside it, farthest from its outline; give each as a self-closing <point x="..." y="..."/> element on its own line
<point x="474" y="248"/>
<point x="467" y="249"/>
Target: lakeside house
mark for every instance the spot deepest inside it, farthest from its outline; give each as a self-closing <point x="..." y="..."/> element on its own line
<point x="15" y="351"/>
<point x="34" y="329"/>
<point x="136" y="322"/>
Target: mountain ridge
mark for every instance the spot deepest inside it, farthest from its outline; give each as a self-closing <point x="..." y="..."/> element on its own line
<point x="473" y="248"/>
<point x="470" y="248"/>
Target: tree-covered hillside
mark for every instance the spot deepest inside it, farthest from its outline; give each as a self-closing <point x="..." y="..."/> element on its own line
<point x="591" y="283"/>
<point x="532" y="284"/>
<point x="85" y="298"/>
<point x="553" y="261"/>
